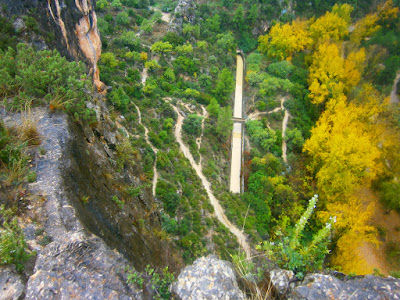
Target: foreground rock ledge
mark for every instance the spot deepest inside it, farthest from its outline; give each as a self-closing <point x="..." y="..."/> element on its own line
<point x="319" y="286"/>
<point x="208" y="278"/>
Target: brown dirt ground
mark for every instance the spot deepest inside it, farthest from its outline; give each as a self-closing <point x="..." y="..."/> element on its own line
<point x="376" y="256"/>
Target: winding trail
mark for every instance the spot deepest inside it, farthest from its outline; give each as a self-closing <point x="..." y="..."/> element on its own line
<point x="146" y="137"/>
<point x="394" y="98"/>
<point x="166" y="17"/>
<point x="255" y="115"/>
<point x="199" y="139"/>
<point x="155" y="150"/>
<point x="219" y="211"/>
<point x="284" y="126"/>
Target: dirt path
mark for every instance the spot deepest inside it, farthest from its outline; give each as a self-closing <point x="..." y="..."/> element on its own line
<point x="199" y="139"/>
<point x="155" y="150"/>
<point x="284" y="126"/>
<point x="166" y="17"/>
<point x="207" y="185"/>
<point x="254" y="115"/>
<point x="394" y="98"/>
<point x="144" y="76"/>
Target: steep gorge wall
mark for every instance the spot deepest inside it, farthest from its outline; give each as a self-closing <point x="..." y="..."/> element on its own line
<point x="74" y="24"/>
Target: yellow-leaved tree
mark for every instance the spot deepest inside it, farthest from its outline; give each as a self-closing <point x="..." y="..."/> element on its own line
<point x="352" y="223"/>
<point x="344" y="147"/>
<point x="284" y="40"/>
<point x="331" y="75"/>
<point x="346" y="152"/>
<point x="386" y="11"/>
<point x="364" y="28"/>
<point x="333" y="26"/>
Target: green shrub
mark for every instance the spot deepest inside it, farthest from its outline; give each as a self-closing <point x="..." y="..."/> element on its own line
<point x="158" y="282"/>
<point x="32" y="76"/>
<point x="13" y="248"/>
<point x="192" y="125"/>
<point x="122" y="18"/>
<point x="102" y="5"/>
<point x="116" y="200"/>
<point x="293" y="253"/>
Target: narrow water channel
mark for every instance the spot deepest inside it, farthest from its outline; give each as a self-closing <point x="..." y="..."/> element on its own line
<point x="237" y="133"/>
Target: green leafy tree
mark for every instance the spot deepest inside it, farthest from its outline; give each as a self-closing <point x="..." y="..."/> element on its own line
<point x="224" y="86"/>
<point x="109" y="59"/>
<point x="192" y="125"/>
<point x="238" y="18"/>
<point x="213" y="108"/>
<point x="281" y="69"/>
<point x="33" y="76"/>
<point x="169" y="75"/>
<point x="224" y="122"/>
<point x="205" y="81"/>
<point x="119" y="99"/>
<point x="122" y="18"/>
<point x="161" y="47"/>
<point x="213" y="24"/>
<point x="102" y="5"/>
<point x="116" y="4"/>
<point x="252" y="15"/>
<point x="130" y="40"/>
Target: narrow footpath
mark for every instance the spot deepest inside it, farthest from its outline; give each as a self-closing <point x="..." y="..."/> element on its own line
<point x="146" y="137"/>
<point x="219" y="211"/>
<point x="255" y="116"/>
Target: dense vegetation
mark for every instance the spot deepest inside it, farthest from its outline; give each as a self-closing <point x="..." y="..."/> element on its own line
<point x="342" y="136"/>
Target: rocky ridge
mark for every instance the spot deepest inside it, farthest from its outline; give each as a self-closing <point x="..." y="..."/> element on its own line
<point x="184" y="11"/>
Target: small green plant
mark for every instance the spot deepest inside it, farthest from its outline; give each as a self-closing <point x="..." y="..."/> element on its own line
<point x="31" y="177"/>
<point x="252" y="277"/>
<point x="13" y="157"/>
<point x="159" y="283"/>
<point x="13" y="248"/>
<point x="292" y="253"/>
<point x="45" y="240"/>
<point x="395" y="274"/>
<point x="85" y="199"/>
<point x="117" y="201"/>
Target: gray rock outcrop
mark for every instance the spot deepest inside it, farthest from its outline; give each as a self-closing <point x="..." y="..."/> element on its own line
<point x="184" y="12"/>
<point x="208" y="278"/>
<point x="12" y="286"/>
<point x="281" y="279"/>
<point x="80" y="267"/>
<point x="319" y="286"/>
<point x="77" y="264"/>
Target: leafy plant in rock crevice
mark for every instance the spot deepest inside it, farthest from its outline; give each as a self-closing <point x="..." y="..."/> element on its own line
<point x="13" y="248"/>
<point x="158" y="282"/>
<point x="291" y="253"/>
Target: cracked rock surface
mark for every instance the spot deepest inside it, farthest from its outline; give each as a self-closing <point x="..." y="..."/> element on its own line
<point x="207" y="278"/>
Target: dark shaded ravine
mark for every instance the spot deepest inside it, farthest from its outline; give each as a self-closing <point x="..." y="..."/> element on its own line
<point x="91" y="173"/>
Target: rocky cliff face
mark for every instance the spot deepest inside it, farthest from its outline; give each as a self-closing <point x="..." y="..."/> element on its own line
<point x="184" y="12"/>
<point x="74" y="24"/>
<point x="71" y="200"/>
